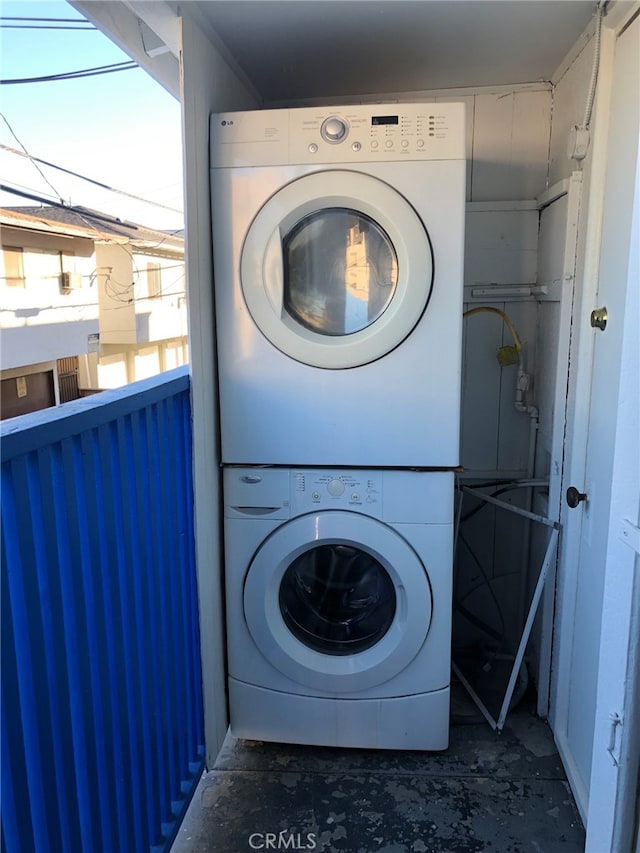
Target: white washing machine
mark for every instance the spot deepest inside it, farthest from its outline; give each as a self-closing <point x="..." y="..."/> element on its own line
<point x="338" y="253"/>
<point x="338" y="592"/>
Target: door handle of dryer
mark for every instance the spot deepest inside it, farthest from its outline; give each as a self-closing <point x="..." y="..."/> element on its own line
<point x="273" y="272"/>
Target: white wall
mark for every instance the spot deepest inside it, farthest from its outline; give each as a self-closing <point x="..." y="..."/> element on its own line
<point x="571" y="87"/>
<point x="129" y="313"/>
<point x="162" y="314"/>
<point x="500" y="250"/>
<point x="115" y="285"/>
<point x="115" y="365"/>
<point x="39" y="322"/>
<point x="208" y="85"/>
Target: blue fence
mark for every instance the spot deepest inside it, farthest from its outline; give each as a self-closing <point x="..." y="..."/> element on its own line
<point x="102" y="723"/>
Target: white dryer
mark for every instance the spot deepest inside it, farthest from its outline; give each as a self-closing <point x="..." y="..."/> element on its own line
<point x="338" y="253"/>
<point x="338" y="593"/>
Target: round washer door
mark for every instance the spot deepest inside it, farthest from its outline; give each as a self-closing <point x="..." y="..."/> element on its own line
<point x="337" y="601"/>
<point x="336" y="269"/>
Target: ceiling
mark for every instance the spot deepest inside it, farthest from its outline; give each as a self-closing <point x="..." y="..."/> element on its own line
<point x="298" y="50"/>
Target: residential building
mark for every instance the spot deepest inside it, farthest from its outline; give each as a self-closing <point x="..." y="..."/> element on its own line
<point x="88" y="303"/>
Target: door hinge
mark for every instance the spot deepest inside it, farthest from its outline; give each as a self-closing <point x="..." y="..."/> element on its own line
<point x="614" y="740"/>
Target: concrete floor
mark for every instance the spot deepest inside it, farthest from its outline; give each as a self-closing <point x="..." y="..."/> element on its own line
<point x="505" y="793"/>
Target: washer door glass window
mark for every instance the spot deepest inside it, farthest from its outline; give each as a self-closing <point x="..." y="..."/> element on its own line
<point x="340" y="271"/>
<point x="337" y="599"/>
<point x="336" y="269"/>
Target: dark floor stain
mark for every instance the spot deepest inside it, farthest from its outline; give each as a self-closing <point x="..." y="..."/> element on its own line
<point x="488" y="793"/>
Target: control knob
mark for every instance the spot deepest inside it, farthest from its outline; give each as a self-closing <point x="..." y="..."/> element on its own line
<point x="335" y="488"/>
<point x="334" y="129"/>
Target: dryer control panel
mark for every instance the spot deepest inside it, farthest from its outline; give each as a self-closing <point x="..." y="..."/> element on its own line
<point x="345" y="134"/>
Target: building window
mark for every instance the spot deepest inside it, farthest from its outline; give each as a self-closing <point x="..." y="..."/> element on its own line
<point x="154" y="280"/>
<point x="13" y="266"/>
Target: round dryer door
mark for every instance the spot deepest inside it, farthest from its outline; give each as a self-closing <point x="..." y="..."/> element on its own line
<point x="336" y="269"/>
<point x="337" y="601"/>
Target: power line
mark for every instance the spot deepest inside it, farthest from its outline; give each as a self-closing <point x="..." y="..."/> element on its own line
<point x="88" y="215"/>
<point x="74" y="75"/>
<point x="45" y="20"/>
<point x="100" y="184"/>
<point x="46" y="27"/>
<point x="13" y="133"/>
<point x="16" y="22"/>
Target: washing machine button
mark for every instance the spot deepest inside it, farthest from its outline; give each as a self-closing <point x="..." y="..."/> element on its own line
<point x="335" y="488"/>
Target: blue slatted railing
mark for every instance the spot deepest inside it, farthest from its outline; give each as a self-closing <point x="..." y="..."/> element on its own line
<point x="101" y="698"/>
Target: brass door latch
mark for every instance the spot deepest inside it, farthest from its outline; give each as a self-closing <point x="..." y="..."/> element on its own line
<point x="599" y="318"/>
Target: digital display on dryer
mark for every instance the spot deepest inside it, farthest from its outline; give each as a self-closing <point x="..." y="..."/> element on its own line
<point x="375" y="120"/>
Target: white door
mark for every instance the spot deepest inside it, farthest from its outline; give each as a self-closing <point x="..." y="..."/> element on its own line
<point x="337" y="601"/>
<point x="612" y="815"/>
<point x="595" y="646"/>
<point x="336" y="269"/>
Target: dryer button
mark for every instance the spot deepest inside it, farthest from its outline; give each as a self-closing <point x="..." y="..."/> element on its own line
<point x="334" y="129"/>
<point x="335" y="488"/>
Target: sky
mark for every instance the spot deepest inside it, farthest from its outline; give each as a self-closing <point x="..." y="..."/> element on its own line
<point x="121" y="129"/>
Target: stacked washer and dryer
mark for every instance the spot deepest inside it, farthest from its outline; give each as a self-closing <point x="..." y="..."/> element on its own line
<point x="338" y="251"/>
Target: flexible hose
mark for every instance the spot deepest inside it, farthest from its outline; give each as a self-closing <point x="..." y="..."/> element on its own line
<point x="488" y="309"/>
<point x="522" y="381"/>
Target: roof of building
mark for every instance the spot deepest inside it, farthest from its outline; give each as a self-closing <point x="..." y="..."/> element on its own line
<point x="91" y="224"/>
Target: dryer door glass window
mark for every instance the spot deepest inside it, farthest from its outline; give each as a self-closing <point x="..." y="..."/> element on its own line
<point x="337" y="599"/>
<point x="340" y="271"/>
<point x="336" y="269"/>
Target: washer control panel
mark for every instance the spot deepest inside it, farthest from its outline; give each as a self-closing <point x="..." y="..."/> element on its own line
<point x="355" y="490"/>
<point x="347" y="134"/>
<point x="394" y="496"/>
